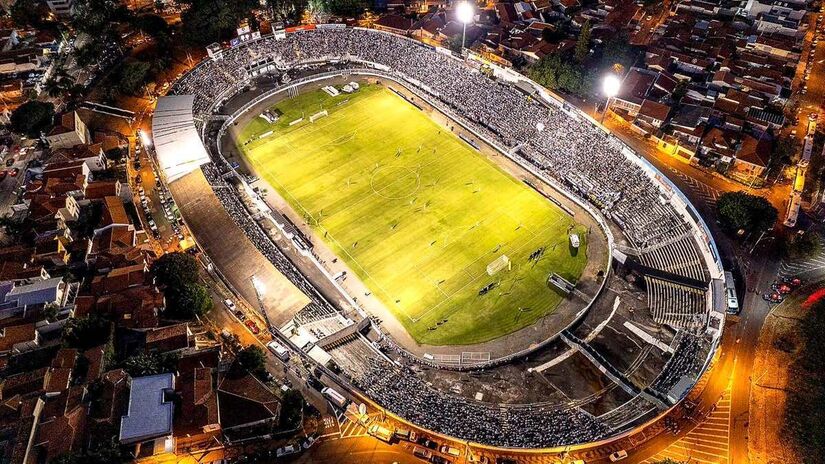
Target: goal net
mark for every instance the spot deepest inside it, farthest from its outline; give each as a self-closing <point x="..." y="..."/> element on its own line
<point x="318" y="115"/>
<point x="500" y="263"/>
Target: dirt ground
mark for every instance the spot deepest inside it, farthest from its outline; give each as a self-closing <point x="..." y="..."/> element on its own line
<point x="772" y="376"/>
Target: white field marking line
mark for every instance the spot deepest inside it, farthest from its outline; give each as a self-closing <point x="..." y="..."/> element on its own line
<point x="330" y="236"/>
<point x="369" y="276"/>
<point x="424" y="314"/>
<point x="472" y="278"/>
<point x="334" y="117"/>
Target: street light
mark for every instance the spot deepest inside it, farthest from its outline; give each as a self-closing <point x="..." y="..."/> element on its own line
<point x="610" y="87"/>
<point x="464" y="13"/>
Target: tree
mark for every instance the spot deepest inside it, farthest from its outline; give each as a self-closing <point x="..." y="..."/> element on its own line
<point x="583" y="43"/>
<point x="740" y="211"/>
<point x="32" y="118"/>
<point x="29" y="13"/>
<point x="292" y="406"/>
<point x="150" y="364"/>
<point x="100" y="18"/>
<point x="345" y="7"/>
<point x="132" y="77"/>
<point x="208" y="21"/>
<point x="86" y="332"/>
<point x="802" y="245"/>
<point x="617" y="54"/>
<point x="175" y="269"/>
<point x="187" y="301"/>
<point x="253" y="359"/>
<point x="288" y="11"/>
<point x="454" y="43"/>
<point x="558" y="73"/>
<point x="783" y="150"/>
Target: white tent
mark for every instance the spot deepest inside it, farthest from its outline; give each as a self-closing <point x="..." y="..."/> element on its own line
<point x="177" y="144"/>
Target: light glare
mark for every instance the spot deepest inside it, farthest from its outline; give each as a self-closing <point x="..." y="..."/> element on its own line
<point x="610" y="85"/>
<point x="464" y="12"/>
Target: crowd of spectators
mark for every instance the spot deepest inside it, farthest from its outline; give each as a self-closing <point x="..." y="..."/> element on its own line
<point x="565" y="147"/>
<point x="570" y="149"/>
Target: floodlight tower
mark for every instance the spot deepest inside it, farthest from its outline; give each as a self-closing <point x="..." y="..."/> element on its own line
<point x="610" y="87"/>
<point x="260" y="291"/>
<point x="464" y="13"/>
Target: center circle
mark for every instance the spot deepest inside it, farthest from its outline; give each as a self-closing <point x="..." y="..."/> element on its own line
<point x="395" y="182"/>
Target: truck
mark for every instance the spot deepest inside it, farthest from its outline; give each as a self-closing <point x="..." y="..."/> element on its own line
<point x="334" y="397"/>
<point x="422" y="453"/>
<point x="278" y="350"/>
<point x="406" y="435"/>
<point x="381" y="433"/>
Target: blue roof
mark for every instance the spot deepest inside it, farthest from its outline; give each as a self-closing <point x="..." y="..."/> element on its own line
<point x="150" y="413"/>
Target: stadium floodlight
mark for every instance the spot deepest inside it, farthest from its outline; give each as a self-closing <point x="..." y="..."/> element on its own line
<point x="145" y="139"/>
<point x="610" y="87"/>
<point x="464" y="13"/>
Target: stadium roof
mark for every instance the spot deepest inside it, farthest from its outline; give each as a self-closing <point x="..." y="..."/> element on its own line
<point x="179" y="149"/>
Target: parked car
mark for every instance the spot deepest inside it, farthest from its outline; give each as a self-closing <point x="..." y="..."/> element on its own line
<point x="253" y="326"/>
<point x="229" y="304"/>
<point x="618" y="455"/>
<point x="240" y="315"/>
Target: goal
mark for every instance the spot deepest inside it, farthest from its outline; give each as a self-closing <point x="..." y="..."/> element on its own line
<point x="318" y="115"/>
<point x="500" y="263"/>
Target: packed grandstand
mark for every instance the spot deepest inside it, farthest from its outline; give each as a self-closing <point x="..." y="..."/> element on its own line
<point x="657" y="226"/>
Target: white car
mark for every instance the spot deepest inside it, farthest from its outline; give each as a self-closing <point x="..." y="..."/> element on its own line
<point x="618" y="455"/>
<point x="229" y="304"/>
<point x="286" y="450"/>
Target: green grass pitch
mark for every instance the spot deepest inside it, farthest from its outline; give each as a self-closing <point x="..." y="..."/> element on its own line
<point x="417" y="213"/>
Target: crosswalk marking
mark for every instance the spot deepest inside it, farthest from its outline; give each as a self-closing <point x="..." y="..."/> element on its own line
<point x="707" y="194"/>
<point x="808" y="268"/>
<point x="707" y="443"/>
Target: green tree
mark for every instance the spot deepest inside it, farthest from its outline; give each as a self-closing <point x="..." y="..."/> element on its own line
<point x="454" y="43"/>
<point x="86" y="332"/>
<point x="100" y="18"/>
<point x="617" y="53"/>
<point x="133" y="76"/>
<point x="187" y="301"/>
<point x="288" y="11"/>
<point x="783" y="150"/>
<point x="207" y="21"/>
<point x="583" y="43"/>
<point x="558" y="73"/>
<point x="292" y="406"/>
<point x="743" y="211"/>
<point x="150" y="364"/>
<point x="345" y="7"/>
<point x="175" y="269"/>
<point x="32" y="118"/>
<point x="29" y="13"/>
<point x="253" y="359"/>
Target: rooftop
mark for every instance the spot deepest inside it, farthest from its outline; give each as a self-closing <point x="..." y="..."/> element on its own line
<point x="150" y="413"/>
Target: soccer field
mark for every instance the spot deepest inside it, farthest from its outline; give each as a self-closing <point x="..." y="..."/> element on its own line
<point x="418" y="214"/>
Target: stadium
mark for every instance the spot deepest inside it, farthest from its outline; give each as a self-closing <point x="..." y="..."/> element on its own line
<point x="443" y="238"/>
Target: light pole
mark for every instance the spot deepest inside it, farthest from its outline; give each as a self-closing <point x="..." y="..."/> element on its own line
<point x="464" y="14"/>
<point x="260" y="291"/>
<point x="610" y="87"/>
